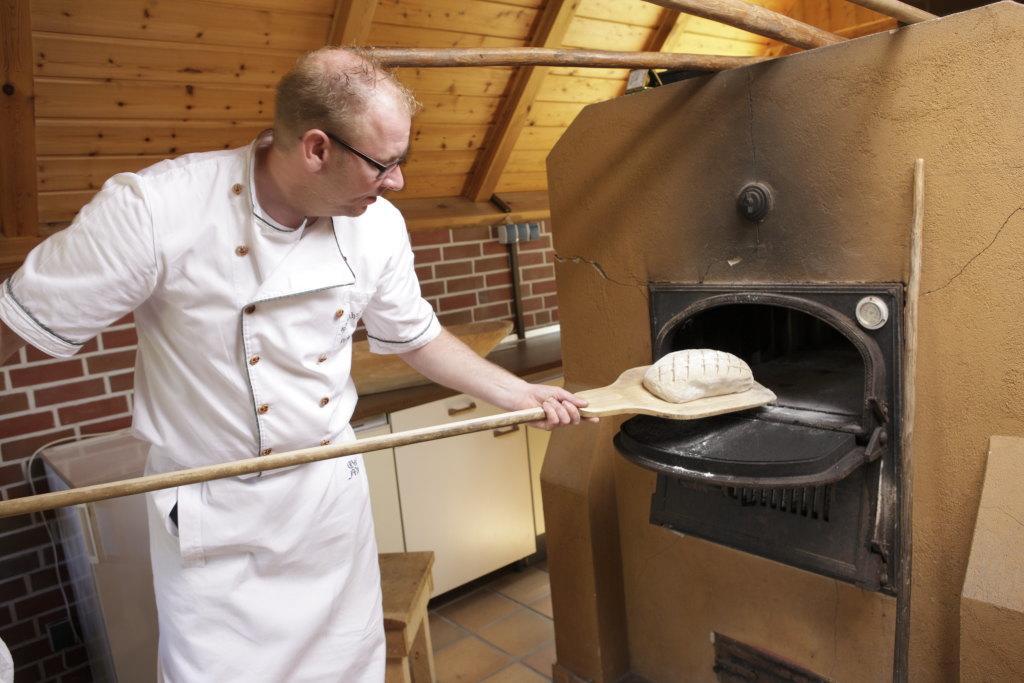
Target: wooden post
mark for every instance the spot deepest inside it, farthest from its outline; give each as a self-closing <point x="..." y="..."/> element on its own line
<point x="536" y="56"/>
<point x="755" y="19"/>
<point x="901" y="649"/>
<point x="19" y="209"/>
<point x="908" y="14"/>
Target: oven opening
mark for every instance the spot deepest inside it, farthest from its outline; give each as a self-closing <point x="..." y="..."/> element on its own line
<point x="810" y="365"/>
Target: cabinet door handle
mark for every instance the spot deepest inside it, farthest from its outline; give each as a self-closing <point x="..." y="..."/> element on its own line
<point x="464" y="409"/>
<point x="502" y="431"/>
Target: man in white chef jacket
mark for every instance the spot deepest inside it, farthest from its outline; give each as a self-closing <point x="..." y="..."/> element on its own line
<point x="248" y="271"/>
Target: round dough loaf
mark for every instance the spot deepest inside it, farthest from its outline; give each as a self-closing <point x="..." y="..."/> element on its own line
<point x="691" y="374"/>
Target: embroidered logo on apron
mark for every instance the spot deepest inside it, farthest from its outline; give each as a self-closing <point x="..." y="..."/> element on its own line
<point x="353" y="469"/>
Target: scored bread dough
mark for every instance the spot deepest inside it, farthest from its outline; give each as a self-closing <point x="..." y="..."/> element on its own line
<point x="690" y="374"/>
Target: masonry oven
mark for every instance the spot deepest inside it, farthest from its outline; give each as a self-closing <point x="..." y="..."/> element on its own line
<point x="810" y="480"/>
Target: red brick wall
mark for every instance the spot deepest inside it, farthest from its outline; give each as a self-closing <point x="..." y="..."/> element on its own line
<point x="465" y="274"/>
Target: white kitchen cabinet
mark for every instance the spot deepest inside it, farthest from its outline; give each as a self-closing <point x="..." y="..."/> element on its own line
<point x="383" y="480"/>
<point x="467" y="498"/>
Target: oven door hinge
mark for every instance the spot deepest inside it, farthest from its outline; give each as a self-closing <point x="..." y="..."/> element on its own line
<point x="876" y="444"/>
<point x="879" y="409"/>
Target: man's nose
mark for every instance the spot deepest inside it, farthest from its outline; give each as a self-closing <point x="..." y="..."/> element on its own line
<point x="394" y="180"/>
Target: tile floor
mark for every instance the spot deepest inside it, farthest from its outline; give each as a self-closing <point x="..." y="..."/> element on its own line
<point x="500" y="632"/>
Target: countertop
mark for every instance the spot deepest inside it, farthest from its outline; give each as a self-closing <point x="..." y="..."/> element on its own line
<point x="534" y="358"/>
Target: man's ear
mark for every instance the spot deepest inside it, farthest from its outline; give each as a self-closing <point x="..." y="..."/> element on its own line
<point x="314" y="148"/>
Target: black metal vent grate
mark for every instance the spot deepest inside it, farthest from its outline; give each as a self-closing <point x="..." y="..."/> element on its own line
<point x="812" y="502"/>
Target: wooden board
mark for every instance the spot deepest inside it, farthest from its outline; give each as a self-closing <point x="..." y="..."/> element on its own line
<point x="598" y="34"/>
<point x="72" y="56"/>
<point x="489" y="18"/>
<point x="375" y="373"/>
<point x="60" y="137"/>
<point x="187" y="21"/>
<point x="80" y="98"/>
<point x="628" y="395"/>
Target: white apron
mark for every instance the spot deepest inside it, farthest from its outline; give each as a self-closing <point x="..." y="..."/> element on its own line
<point x="244" y="349"/>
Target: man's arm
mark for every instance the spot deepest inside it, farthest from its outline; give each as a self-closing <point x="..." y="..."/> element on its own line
<point x="10" y="342"/>
<point x="448" y="361"/>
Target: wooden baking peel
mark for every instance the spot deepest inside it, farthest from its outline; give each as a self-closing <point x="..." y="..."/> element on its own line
<point x="625" y="396"/>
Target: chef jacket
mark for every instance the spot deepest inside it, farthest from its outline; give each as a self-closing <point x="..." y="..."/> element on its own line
<point x="244" y="349"/>
<point x="244" y="327"/>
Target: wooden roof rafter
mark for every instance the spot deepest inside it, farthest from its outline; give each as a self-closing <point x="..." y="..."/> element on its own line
<point x="551" y="27"/>
<point x="350" y="23"/>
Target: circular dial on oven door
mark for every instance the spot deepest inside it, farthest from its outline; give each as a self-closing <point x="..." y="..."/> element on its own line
<point x="872" y="313"/>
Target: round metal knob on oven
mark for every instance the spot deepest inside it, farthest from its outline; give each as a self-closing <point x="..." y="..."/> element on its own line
<point x="755" y="201"/>
<point x="872" y="313"/>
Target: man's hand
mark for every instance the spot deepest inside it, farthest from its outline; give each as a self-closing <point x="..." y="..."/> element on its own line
<point x="448" y="361"/>
<point x="560" y="406"/>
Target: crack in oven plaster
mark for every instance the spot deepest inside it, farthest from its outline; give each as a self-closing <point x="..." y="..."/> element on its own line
<point x="999" y="508"/>
<point x="978" y="255"/>
<point x="597" y="266"/>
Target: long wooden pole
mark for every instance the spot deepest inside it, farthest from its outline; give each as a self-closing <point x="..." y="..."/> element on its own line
<point x="153" y="482"/>
<point x="763" y="22"/>
<point x="908" y="14"/>
<point x="904" y="560"/>
<point x="543" y="56"/>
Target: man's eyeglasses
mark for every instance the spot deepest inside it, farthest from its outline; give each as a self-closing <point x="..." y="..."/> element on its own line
<point x="382" y="169"/>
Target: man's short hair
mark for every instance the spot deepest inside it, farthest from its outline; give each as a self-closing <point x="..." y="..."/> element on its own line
<point x="330" y="89"/>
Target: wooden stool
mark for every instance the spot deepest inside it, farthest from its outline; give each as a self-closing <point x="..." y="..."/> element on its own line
<point x="406" y="582"/>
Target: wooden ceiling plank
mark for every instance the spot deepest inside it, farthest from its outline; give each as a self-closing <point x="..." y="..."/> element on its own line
<point x="755" y="19"/>
<point x="350" y="24"/>
<point x="552" y="25"/>
<point x="19" y="210"/>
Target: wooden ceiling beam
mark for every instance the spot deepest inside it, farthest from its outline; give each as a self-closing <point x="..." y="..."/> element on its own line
<point x="541" y="56"/>
<point x="850" y="32"/>
<point x="551" y="27"/>
<point x="19" y="208"/>
<point x="350" y="24"/>
<point x="901" y="11"/>
<point x="755" y="19"/>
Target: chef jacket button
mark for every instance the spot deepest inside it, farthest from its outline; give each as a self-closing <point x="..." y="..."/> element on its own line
<point x="325" y="442"/>
<point x="338" y="313"/>
<point x="322" y="358"/>
<point x="267" y="451"/>
<point x="251" y="308"/>
<point x="254" y="360"/>
<point x="242" y="250"/>
<point x="324" y="401"/>
<point x="237" y="188"/>
<point x="263" y="408"/>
